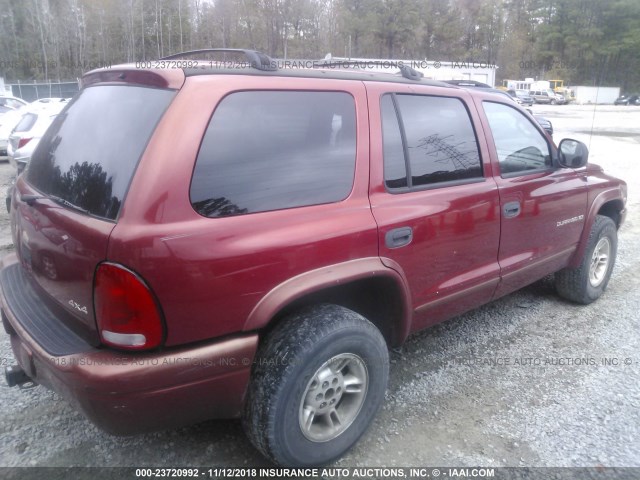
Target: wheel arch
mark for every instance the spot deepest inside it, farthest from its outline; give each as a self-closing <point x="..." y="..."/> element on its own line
<point x="608" y="203"/>
<point x="612" y="209"/>
<point x="365" y="286"/>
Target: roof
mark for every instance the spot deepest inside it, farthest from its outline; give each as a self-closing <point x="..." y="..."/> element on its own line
<point x="169" y="72"/>
<point x="259" y="64"/>
<point x="340" y="73"/>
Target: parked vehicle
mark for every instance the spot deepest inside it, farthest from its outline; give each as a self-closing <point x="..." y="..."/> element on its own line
<point x="260" y="263"/>
<point x="50" y="100"/>
<point x="543" y="121"/>
<point x="627" y="100"/>
<point x="547" y="96"/>
<point x="28" y="131"/>
<point x="10" y="103"/>
<point x="25" y="138"/>
<point x="468" y="83"/>
<point x="8" y="121"/>
<point x="521" y="97"/>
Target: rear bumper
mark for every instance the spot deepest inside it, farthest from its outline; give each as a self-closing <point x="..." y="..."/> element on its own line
<point x="126" y="393"/>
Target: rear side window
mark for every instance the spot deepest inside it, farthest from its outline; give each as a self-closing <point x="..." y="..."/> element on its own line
<point x="88" y="155"/>
<point x="270" y="150"/>
<point x="427" y="140"/>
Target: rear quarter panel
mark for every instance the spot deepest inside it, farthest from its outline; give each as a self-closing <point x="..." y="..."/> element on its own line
<point x="210" y="273"/>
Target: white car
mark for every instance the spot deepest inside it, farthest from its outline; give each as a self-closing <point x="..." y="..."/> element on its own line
<point x="50" y="100"/>
<point x="8" y="121"/>
<point x="11" y="111"/>
<point x="29" y="130"/>
<point x="8" y="103"/>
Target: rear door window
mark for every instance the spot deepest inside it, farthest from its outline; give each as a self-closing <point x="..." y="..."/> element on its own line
<point x="271" y="150"/>
<point x="428" y="141"/>
<point x="88" y="155"/>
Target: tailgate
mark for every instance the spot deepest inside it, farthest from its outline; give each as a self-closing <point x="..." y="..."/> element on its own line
<point x="69" y="199"/>
<point x="60" y="248"/>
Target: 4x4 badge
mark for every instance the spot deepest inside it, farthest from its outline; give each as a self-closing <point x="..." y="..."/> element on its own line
<point x="78" y="307"/>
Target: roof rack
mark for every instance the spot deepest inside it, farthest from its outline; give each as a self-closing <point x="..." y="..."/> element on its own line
<point x="407" y="72"/>
<point x="257" y="60"/>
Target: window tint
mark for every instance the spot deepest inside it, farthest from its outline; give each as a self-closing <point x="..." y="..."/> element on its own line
<point x="520" y="146"/>
<point x="440" y="140"/>
<point x="88" y="155"/>
<point x="272" y="150"/>
<point x="395" y="168"/>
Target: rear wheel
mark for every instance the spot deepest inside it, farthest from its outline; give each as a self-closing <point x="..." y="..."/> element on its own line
<point x="587" y="282"/>
<point x="317" y="384"/>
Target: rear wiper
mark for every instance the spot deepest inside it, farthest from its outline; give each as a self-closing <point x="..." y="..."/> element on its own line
<point x="67" y="203"/>
<point x="31" y="199"/>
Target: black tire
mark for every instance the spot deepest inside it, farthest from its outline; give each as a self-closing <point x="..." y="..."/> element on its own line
<point x="290" y="361"/>
<point x="553" y="101"/>
<point x="586" y="283"/>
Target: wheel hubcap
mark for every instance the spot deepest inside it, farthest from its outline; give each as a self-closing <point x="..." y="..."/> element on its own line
<point x="333" y="397"/>
<point x="599" y="262"/>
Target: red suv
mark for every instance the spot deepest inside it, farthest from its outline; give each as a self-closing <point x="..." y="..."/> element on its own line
<point x="196" y="240"/>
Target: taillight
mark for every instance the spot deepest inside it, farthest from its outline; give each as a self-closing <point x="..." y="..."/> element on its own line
<point x="127" y="314"/>
<point x="22" y="142"/>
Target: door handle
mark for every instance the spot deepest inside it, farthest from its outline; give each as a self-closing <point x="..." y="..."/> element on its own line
<point x="511" y="209"/>
<point x="398" y="237"/>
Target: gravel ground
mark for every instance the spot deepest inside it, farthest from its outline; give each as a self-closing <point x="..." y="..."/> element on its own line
<point x="523" y="381"/>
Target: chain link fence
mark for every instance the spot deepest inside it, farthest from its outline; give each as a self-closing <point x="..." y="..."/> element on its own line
<point x="31" y="92"/>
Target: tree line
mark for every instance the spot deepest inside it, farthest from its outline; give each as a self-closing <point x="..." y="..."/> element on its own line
<point x="586" y="42"/>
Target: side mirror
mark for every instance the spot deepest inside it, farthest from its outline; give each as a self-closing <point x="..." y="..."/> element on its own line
<point x="572" y="153"/>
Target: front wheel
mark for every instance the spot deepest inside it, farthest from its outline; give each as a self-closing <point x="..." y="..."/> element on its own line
<point x="318" y="381"/>
<point x="587" y="282"/>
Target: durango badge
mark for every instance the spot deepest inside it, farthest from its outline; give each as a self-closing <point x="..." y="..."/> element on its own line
<point x="570" y="220"/>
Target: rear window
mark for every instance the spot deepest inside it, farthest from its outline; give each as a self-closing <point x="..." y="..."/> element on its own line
<point x="88" y="155"/>
<point x="25" y="123"/>
<point x="268" y="150"/>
